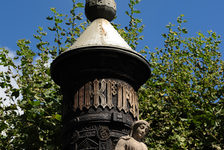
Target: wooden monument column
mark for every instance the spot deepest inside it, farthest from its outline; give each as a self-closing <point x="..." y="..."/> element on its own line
<point x="99" y="76"/>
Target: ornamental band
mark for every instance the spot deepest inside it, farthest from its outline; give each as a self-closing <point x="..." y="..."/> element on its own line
<point x="102" y="92"/>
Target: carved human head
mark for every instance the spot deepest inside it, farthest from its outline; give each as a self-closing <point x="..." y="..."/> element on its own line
<point x="139" y="129"/>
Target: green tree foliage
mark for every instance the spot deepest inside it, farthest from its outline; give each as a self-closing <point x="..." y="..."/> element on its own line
<point x="183" y="100"/>
<point x="37" y="124"/>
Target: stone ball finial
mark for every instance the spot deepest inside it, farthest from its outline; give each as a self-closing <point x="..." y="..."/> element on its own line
<point x="95" y="9"/>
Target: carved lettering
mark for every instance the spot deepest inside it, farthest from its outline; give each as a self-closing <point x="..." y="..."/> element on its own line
<point x="107" y="93"/>
<point x="88" y="134"/>
<point x="132" y="101"/>
<point x="99" y="97"/>
<point x="133" y="106"/>
<point x="81" y="98"/>
<point x="87" y="128"/>
<point x="96" y="93"/>
<point x="113" y="88"/>
<point x="87" y="95"/>
<point x="102" y="95"/>
<point x="125" y="98"/>
<point x="119" y="100"/>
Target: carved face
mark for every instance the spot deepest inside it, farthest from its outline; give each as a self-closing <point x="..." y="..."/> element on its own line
<point x="141" y="131"/>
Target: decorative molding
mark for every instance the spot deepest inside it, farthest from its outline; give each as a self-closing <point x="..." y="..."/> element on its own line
<point x="103" y="133"/>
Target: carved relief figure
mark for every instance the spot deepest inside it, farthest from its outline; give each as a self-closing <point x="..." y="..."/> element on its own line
<point x="133" y="141"/>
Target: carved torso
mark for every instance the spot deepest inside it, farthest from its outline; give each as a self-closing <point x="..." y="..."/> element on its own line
<point x="129" y="143"/>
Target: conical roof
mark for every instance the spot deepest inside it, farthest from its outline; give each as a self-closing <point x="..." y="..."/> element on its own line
<point x="100" y="33"/>
<point x="100" y="52"/>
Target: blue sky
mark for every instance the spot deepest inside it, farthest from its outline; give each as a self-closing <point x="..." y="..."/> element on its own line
<point x="21" y="18"/>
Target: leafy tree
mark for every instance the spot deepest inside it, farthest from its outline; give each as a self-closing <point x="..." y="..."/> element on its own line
<point x="183" y="99"/>
<point x="38" y="123"/>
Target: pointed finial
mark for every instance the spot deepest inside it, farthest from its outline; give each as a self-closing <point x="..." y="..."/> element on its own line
<point x="95" y="9"/>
